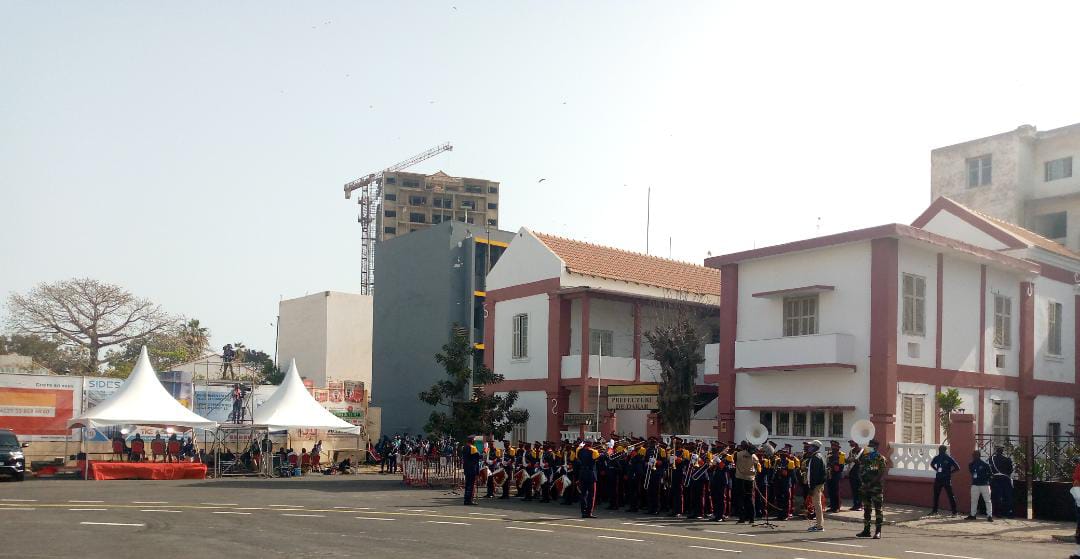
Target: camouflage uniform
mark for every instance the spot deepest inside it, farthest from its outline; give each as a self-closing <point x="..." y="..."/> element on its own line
<point x="870" y="489"/>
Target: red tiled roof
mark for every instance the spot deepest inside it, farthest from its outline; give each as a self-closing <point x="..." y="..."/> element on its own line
<point x="612" y="263"/>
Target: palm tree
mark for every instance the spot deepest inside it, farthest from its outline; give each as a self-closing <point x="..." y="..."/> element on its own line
<point x="195" y="338"/>
<point x="948" y="402"/>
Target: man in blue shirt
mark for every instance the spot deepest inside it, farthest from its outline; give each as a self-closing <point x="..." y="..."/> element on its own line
<point x="980" y="486"/>
<point x="944" y="466"/>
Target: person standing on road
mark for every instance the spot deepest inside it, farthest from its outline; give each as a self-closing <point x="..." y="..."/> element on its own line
<point x="872" y="468"/>
<point x="746" y="464"/>
<point x="837" y="460"/>
<point x="816" y="476"/>
<point x="980" y="486"/>
<point x="944" y="467"/>
<point x="854" y="453"/>
<point x="470" y="460"/>
<point x="1001" y="483"/>
<point x="1075" y="491"/>
<point x="587" y="457"/>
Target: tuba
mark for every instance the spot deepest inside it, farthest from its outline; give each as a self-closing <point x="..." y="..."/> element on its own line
<point x="757" y="434"/>
<point x="862" y="431"/>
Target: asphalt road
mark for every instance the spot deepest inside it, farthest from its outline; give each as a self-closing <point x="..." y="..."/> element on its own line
<point x="374" y="516"/>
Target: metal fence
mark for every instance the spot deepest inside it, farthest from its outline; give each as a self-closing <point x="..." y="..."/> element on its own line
<point x="1035" y="458"/>
<point x="433" y="471"/>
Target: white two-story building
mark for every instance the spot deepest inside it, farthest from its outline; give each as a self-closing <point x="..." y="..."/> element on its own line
<point x="819" y="333"/>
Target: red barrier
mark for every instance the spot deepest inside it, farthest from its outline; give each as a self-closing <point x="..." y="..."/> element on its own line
<point x="438" y="471"/>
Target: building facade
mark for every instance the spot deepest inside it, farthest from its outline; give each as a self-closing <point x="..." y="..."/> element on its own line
<point x="565" y="322"/>
<point x="871" y="324"/>
<point x="329" y="334"/>
<point x="1024" y="177"/>
<point x="429" y="282"/>
<point x="414" y="201"/>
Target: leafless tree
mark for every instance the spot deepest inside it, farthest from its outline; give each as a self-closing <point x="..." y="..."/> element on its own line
<point x="678" y="343"/>
<point x="87" y="314"/>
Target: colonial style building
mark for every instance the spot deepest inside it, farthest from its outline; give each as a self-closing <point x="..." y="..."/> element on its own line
<point x="872" y="323"/>
<point x="565" y="322"/>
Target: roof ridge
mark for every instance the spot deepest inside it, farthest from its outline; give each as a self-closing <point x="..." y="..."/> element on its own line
<point x="998" y="222"/>
<point x="622" y="250"/>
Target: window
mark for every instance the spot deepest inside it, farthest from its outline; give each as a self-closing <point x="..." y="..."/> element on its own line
<point x="783" y="424"/>
<point x="1053" y="432"/>
<point x="1002" y="321"/>
<point x="1052" y="226"/>
<point x="836" y="425"/>
<point x="493" y="223"/>
<point x="390" y="213"/>
<point x="1058" y="169"/>
<point x="391" y="180"/>
<point x="436" y="218"/>
<point x="474" y="189"/>
<point x="417" y="201"/>
<point x="817" y="424"/>
<point x="410" y="183"/>
<point x="390" y="230"/>
<point x="468" y="205"/>
<point x="442" y="203"/>
<point x="999" y="418"/>
<point x="493" y="206"/>
<point x="800" y="316"/>
<point x="1053" y="330"/>
<point x="765" y="418"/>
<point x="798" y="424"/>
<point x="600" y="342"/>
<point x="913" y="417"/>
<point x="417" y="217"/>
<point x="493" y="190"/>
<point x="520" y="344"/>
<point x="978" y="171"/>
<point x="391" y="197"/>
<point x="914" y="305"/>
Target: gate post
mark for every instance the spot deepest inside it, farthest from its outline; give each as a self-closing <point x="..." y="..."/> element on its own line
<point x="961" y="444"/>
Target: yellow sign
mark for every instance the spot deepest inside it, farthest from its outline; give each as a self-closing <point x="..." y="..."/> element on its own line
<point x="634" y="390"/>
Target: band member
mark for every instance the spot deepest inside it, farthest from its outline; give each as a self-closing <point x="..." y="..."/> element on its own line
<point x="746" y="466"/>
<point x="678" y="477"/>
<point x="761" y="483"/>
<point x="508" y="454"/>
<point x="785" y="472"/>
<point x="587" y="457"/>
<point x="854" y="453"/>
<point x="718" y="485"/>
<point x="547" y="465"/>
<point x="697" y="482"/>
<point x="635" y="479"/>
<point x="657" y="464"/>
<point x="836" y="461"/>
<point x="471" y="464"/>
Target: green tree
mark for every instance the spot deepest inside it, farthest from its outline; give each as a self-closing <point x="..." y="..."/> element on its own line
<point x="948" y="402"/>
<point x="195" y="338"/>
<point x="459" y="413"/>
<point x="181" y="343"/>
<point x="46" y="351"/>
<point x="679" y="348"/>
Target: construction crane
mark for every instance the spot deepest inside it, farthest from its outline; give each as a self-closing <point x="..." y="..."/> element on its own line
<point x="371" y="195"/>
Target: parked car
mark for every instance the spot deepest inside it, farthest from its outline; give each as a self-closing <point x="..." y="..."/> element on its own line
<point x="12" y="460"/>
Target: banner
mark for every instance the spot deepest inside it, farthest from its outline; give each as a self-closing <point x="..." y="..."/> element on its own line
<point x="215" y="402"/>
<point x="95" y="391"/>
<point x="38" y="407"/>
<point x="633" y="397"/>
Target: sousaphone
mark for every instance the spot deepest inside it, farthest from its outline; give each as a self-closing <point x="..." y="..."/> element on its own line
<point x="862" y="431"/>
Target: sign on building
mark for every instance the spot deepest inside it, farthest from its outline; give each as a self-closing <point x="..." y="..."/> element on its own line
<point x="578" y="418"/>
<point x="633" y="397"/>
<point x="38" y="407"/>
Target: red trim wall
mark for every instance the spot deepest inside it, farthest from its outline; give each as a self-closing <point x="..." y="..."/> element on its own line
<point x="725" y="376"/>
<point x="1027" y="357"/>
<point x="637" y="341"/>
<point x="585" y="349"/>
<point x="785" y="368"/>
<point x="982" y="320"/>
<point x="505" y="294"/>
<point x="884" y="276"/>
<point x="1076" y="360"/>
<point x="940" y="310"/>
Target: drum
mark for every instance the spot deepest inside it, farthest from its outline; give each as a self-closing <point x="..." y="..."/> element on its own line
<point x="559" y="485"/>
<point x="519" y="478"/>
<point x="539" y="478"/>
<point x="482" y="477"/>
<point x="499" y="476"/>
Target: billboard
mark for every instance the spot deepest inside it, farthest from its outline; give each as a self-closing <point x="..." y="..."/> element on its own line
<point x="95" y="391"/>
<point x="215" y="402"/>
<point x="38" y="407"/>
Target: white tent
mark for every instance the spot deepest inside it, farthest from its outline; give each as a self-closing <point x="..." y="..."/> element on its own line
<point x="141" y="400"/>
<point x="292" y="407"/>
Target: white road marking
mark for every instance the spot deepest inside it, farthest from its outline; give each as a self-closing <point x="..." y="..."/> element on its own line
<point x="159" y="510"/>
<point x="941" y="555"/>
<point x="149" y="502"/>
<point x="715" y="549"/>
<point x="19" y="500"/>
<point x="529" y="529"/>
<point x="618" y="538"/>
<point x="286" y="506"/>
<point x="350" y="508"/>
<point x="17" y="508"/>
<point x="448" y="522"/>
<point x="221" y="504"/>
<point x="645" y="525"/>
<point x="419" y="510"/>
<point x="250" y="508"/>
<point x="229" y="512"/>
<point x="86" y="509"/>
<point x="731" y="533"/>
<point x="486" y="514"/>
<point x="835" y="543"/>
<point x="307" y="515"/>
<point x="373" y="518"/>
<point x="110" y="524"/>
<point x="86" y="501"/>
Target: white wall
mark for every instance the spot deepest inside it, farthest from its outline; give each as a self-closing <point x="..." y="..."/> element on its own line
<point x="302" y="335"/>
<point x="1050" y="409"/>
<point x="605" y="314"/>
<point x="348" y="337"/>
<point x="526" y="260"/>
<point x="949" y="225"/>
<point x="960" y="315"/>
<point x="987" y="421"/>
<point x="535" y="365"/>
<point x="536" y="403"/>
<point x="911" y="349"/>
<point x="1007" y="284"/>
<point x="1052" y="367"/>
<point x="632" y="421"/>
<point x="569" y="279"/>
<point x="781" y="390"/>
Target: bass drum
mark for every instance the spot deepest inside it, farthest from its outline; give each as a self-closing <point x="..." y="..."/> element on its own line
<point x="499" y="476"/>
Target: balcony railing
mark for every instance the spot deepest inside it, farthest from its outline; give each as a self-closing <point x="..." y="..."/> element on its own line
<point x="912" y="459"/>
<point x="796" y="352"/>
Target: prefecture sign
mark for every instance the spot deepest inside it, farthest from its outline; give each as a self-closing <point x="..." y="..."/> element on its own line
<point x="579" y="418"/>
<point x="633" y="397"/>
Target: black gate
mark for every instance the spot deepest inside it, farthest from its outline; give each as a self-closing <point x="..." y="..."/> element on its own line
<point x="1042" y="469"/>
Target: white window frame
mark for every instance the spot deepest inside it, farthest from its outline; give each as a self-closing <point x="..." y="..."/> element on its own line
<point x="605" y="339"/>
<point x="1058" y="169"/>
<point x="914" y="308"/>
<point x="1053" y="328"/>
<point x="1000" y="420"/>
<point x="786" y="423"/>
<point x="913" y="418"/>
<point x="801" y="315"/>
<point x="983" y="169"/>
<point x="834" y="433"/>
<point x="1002" y="321"/>
<point x="519" y="347"/>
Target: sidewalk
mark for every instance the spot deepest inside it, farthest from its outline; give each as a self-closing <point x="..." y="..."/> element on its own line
<point x="1013" y="528"/>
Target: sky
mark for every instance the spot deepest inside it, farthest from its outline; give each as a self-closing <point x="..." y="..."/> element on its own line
<point x="195" y="152"/>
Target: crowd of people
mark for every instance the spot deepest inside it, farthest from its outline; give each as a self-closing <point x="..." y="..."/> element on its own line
<point x="389" y="452"/>
<point x="688" y="479"/>
<point x="173" y="449"/>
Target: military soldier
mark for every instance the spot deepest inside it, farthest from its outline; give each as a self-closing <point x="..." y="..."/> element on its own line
<point x="587" y="457"/>
<point x="872" y="468"/>
<point x="836" y="461"/>
<point x="471" y="462"/>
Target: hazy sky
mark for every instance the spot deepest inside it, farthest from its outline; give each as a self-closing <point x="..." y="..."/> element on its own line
<point x="195" y="152"/>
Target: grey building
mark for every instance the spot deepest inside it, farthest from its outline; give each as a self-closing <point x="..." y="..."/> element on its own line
<point x="429" y="281"/>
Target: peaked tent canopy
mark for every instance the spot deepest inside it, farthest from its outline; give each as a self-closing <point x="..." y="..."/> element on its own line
<point x="141" y="400"/>
<point x="292" y="407"/>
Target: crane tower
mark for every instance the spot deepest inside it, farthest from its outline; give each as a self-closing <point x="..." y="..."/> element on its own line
<point x="370" y="200"/>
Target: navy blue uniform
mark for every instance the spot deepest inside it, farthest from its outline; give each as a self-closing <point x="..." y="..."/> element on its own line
<point x="944" y="466"/>
<point x="471" y="461"/>
<point x="587" y="479"/>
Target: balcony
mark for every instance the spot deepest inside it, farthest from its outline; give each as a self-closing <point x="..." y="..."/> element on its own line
<point x="612" y="368"/>
<point x="820" y="351"/>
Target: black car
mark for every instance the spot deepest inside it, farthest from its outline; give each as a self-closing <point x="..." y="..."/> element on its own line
<point x="12" y="460"/>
